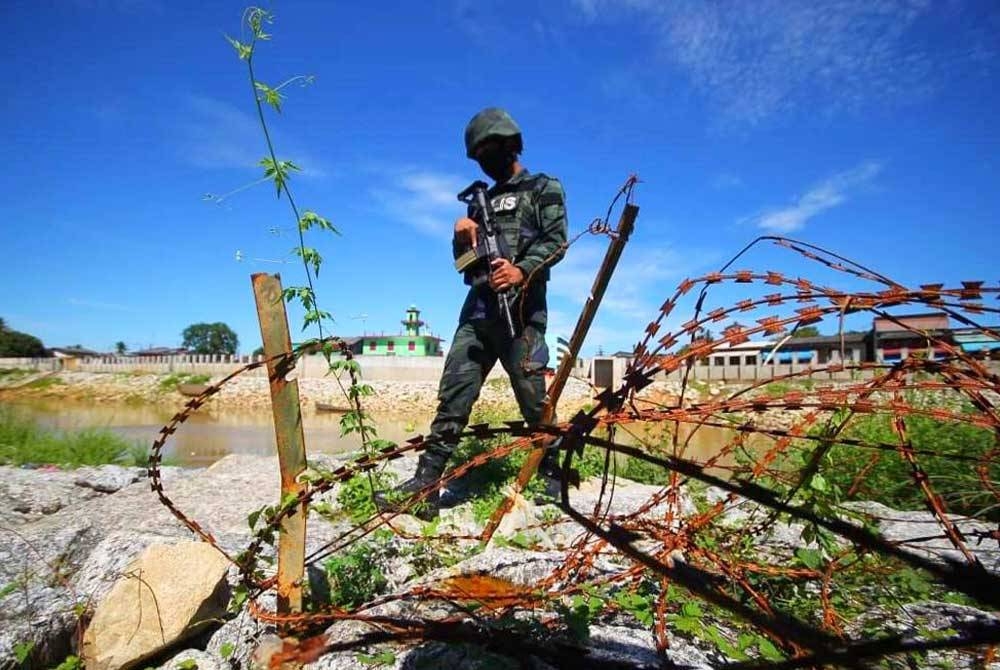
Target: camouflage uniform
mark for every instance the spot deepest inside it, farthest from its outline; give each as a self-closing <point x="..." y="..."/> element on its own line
<point x="531" y="214"/>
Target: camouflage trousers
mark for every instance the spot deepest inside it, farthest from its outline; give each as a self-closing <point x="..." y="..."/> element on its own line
<point x="476" y="348"/>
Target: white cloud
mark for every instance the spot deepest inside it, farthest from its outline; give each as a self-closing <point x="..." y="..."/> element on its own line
<point x="423" y="199"/>
<point x="643" y="278"/>
<point x="753" y="60"/>
<point x="216" y="134"/>
<point x="826" y="194"/>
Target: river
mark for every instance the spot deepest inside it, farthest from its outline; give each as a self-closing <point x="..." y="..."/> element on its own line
<point x="209" y="435"/>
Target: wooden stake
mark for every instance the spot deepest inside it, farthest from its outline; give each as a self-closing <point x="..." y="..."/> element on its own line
<point x="625" y="226"/>
<point x="288" y="433"/>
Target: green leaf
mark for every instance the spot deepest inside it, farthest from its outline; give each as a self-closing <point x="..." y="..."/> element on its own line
<point x="310" y="219"/>
<point x="239" y="597"/>
<point x="691" y="609"/>
<point x="253" y="517"/>
<point x="381" y="658"/>
<point x="688" y="624"/>
<point x="244" y="51"/>
<point x="226" y="649"/>
<point x="187" y="664"/>
<point x="315" y="316"/>
<point x="769" y="651"/>
<point x="256" y="18"/>
<point x="811" y="558"/>
<point x="278" y="172"/>
<point x="309" y="256"/>
<point x="22" y="650"/>
<point x="289" y="500"/>
<point x="70" y="663"/>
<point x="269" y="95"/>
<point x="818" y="483"/>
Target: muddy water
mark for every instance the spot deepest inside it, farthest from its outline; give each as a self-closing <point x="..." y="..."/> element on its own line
<point x="207" y="436"/>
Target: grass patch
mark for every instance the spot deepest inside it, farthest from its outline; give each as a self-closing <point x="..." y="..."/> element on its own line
<point x="46" y="382"/>
<point x="12" y="374"/>
<point x="890" y="480"/>
<point x="173" y="380"/>
<point x="23" y="441"/>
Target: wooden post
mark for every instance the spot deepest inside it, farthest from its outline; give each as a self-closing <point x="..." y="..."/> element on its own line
<point x="625" y="225"/>
<point x="288" y="433"/>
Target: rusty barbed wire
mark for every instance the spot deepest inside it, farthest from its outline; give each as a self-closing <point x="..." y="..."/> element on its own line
<point x="698" y="537"/>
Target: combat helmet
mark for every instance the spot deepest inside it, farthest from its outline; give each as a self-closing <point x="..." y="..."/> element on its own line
<point x="491" y="122"/>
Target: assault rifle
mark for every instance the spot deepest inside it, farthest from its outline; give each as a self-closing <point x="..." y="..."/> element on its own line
<point x="491" y="246"/>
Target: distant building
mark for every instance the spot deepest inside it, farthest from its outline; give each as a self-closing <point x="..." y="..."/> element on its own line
<point x="820" y="349"/>
<point x="69" y="357"/>
<point x="73" y="352"/>
<point x="978" y="342"/>
<point x="159" y="351"/>
<point x="411" y="343"/>
<point x="892" y="339"/>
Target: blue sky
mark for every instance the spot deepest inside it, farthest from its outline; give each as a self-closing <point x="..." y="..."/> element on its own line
<point x="868" y="127"/>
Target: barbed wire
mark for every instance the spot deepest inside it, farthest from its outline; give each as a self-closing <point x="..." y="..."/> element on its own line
<point x="772" y="446"/>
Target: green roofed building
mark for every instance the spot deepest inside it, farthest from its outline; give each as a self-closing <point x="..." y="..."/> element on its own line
<point x="410" y="343"/>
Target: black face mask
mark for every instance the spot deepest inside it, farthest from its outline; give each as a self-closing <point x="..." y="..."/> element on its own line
<point x="496" y="164"/>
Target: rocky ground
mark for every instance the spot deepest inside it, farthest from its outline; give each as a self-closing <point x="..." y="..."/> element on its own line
<point x="70" y="536"/>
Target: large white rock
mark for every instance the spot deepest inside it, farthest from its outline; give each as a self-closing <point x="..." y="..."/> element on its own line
<point x="167" y="594"/>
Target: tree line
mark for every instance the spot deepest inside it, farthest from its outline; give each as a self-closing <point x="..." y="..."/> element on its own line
<point x="198" y="338"/>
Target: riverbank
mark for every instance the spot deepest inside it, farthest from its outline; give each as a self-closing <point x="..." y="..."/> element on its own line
<point x="73" y="534"/>
<point x="394" y="399"/>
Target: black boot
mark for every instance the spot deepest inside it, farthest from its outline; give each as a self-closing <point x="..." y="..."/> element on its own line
<point x="429" y="469"/>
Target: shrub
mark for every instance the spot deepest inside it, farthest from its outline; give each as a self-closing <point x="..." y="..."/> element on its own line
<point x="22" y="442"/>
<point x="358" y="575"/>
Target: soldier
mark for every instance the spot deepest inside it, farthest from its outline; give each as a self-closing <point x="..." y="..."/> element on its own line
<point x="531" y="214"/>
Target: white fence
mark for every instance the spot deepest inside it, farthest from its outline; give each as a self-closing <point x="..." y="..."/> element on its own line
<point x="599" y="370"/>
<point x="374" y="368"/>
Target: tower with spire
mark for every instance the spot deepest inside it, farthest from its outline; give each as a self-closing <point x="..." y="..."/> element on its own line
<point x="412" y="322"/>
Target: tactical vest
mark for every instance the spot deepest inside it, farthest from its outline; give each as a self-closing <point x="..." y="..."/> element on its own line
<point x="517" y="212"/>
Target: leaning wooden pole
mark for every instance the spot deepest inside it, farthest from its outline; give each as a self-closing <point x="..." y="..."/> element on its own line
<point x="625" y="226"/>
<point x="288" y="433"/>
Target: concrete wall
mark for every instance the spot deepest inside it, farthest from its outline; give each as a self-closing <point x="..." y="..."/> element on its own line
<point x="374" y="368"/>
<point x="735" y="374"/>
<point x="39" y="364"/>
<point x="413" y="369"/>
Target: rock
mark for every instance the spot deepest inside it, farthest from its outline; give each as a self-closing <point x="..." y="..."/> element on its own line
<point x="34" y="493"/>
<point x="920" y="533"/>
<point x="521" y="515"/>
<point x="628" y="497"/>
<point x="108" y="478"/>
<point x="201" y="660"/>
<point x="932" y="620"/>
<point x="236" y="640"/>
<point x="636" y="648"/>
<point x="39" y="608"/>
<point x="168" y="594"/>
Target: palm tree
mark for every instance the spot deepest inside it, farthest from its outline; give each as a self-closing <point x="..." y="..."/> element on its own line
<point x="120" y="347"/>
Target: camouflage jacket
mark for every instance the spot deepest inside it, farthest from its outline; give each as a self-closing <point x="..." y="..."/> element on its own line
<point x="530" y="212"/>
